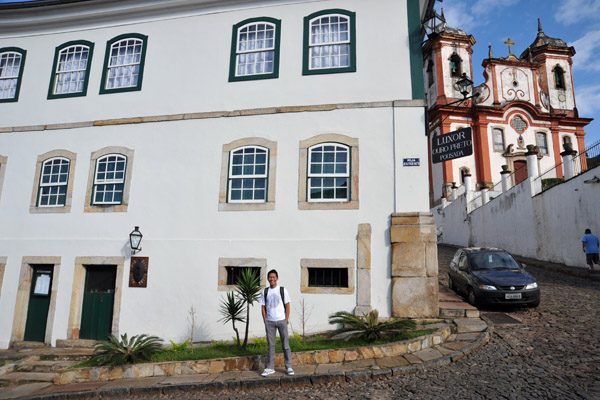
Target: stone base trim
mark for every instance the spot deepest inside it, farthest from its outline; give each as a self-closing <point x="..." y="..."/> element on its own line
<point x="212" y="366"/>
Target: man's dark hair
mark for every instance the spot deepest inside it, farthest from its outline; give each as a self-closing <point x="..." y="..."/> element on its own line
<point x="273" y="272"/>
<point x="586" y="231"/>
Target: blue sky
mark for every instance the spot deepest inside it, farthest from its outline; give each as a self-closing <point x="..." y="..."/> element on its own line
<point x="577" y="22"/>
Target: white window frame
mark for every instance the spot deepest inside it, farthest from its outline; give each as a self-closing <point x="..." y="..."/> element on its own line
<point x="543" y="149"/>
<point x="254" y="176"/>
<point x="265" y="50"/>
<point x="81" y="72"/>
<point x="499" y="131"/>
<point x="335" y="175"/>
<point x="113" y="181"/>
<point x="112" y="66"/>
<point x="312" y="45"/>
<point x="6" y="79"/>
<point x="53" y="184"/>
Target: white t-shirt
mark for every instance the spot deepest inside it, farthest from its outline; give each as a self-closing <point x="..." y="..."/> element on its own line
<point x="275" y="311"/>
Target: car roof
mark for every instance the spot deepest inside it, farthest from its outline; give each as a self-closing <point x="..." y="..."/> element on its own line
<point x="472" y="250"/>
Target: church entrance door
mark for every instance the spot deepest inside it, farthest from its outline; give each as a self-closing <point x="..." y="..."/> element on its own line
<point x="520" y="171"/>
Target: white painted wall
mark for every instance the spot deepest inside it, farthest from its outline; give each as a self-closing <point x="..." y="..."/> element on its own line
<point x="547" y="227"/>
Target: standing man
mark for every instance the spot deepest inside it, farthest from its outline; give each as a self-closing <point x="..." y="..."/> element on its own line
<point x="275" y="303"/>
<point x="590" y="248"/>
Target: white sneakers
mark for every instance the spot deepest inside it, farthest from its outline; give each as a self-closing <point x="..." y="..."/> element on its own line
<point x="269" y="371"/>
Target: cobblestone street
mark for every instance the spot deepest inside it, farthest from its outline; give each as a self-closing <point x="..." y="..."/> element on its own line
<point x="553" y="354"/>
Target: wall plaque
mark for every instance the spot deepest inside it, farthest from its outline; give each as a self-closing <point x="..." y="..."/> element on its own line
<point x="138" y="272"/>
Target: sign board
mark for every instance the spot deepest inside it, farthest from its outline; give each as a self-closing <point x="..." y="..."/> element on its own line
<point x="138" y="272"/>
<point x="452" y="145"/>
<point x="411" y="162"/>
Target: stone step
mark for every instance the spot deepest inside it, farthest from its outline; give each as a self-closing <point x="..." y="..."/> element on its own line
<point x="468" y="325"/>
<point x="27" y="345"/>
<point x="19" y="378"/>
<point x="457" y="310"/>
<point x="67" y="354"/>
<point x="44" y="366"/>
<point x="78" y="343"/>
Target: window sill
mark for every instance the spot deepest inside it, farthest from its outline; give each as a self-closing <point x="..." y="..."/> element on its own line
<point x="50" y="210"/>
<point x="342" y="205"/>
<point x="105" y="209"/>
<point x="326" y="290"/>
<point x="247" y="206"/>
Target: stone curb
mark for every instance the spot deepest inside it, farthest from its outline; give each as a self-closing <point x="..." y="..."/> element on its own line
<point x="283" y="381"/>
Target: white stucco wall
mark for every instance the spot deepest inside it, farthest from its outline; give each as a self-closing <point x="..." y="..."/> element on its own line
<point x="547" y="227"/>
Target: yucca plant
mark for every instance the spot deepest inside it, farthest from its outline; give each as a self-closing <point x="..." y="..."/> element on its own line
<point x="126" y="351"/>
<point x="248" y="289"/>
<point x="232" y="309"/>
<point x="368" y="326"/>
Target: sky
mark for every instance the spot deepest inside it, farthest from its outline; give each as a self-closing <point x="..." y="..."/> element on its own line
<point x="577" y="22"/>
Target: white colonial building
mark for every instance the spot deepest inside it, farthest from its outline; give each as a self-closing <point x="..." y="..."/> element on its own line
<point x="265" y="134"/>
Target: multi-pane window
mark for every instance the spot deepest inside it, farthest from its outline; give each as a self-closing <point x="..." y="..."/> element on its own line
<point x="248" y="175"/>
<point x="498" y="139"/>
<point x="124" y="63"/>
<point x="53" y="182"/>
<point x="330" y="42"/>
<point x="255" y="49"/>
<point x="328" y="277"/>
<point x="11" y="71"/>
<point x="71" y="69"/>
<point x="541" y="142"/>
<point x="328" y="172"/>
<point x="109" y="179"/>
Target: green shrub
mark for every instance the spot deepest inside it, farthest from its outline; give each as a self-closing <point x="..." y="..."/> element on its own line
<point x="126" y="351"/>
<point x="368" y="327"/>
<point x="549" y="182"/>
<point x="179" y="347"/>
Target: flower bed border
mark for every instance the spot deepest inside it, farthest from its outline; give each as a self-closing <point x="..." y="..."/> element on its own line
<point x="249" y="363"/>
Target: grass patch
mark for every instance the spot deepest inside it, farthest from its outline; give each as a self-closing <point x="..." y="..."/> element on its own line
<point x="224" y="350"/>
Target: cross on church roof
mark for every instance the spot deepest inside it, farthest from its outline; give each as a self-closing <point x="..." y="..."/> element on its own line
<point x="509" y="43"/>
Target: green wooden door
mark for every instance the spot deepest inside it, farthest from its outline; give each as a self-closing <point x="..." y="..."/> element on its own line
<point x="98" y="302"/>
<point x="39" y="303"/>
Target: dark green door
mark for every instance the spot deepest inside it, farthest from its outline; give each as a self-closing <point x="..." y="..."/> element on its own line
<point x="98" y="301"/>
<point x="39" y="303"/>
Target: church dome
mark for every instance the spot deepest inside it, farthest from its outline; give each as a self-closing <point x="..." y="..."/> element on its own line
<point x="543" y="41"/>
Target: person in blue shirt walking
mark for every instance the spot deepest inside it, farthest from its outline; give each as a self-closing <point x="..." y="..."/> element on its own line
<point x="590" y="248"/>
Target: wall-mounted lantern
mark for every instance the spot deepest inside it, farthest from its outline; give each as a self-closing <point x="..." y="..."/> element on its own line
<point x="135" y="240"/>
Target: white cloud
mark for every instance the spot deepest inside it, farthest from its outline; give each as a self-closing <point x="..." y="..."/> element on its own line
<point x="587" y="50"/>
<point x="572" y="11"/>
<point x="468" y="15"/>
<point x="588" y="100"/>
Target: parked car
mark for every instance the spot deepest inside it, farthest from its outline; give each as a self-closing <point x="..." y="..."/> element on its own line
<point x="489" y="276"/>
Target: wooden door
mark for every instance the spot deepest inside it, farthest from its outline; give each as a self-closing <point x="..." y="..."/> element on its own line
<point x="39" y="303"/>
<point x="98" y="302"/>
<point x="520" y="171"/>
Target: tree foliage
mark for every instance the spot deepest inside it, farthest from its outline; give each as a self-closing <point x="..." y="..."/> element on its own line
<point x="232" y="309"/>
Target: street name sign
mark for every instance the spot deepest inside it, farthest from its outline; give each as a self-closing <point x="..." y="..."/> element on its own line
<point x="452" y="145"/>
<point x="411" y="162"/>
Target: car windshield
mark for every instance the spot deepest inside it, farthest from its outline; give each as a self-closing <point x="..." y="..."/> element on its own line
<point x="493" y="260"/>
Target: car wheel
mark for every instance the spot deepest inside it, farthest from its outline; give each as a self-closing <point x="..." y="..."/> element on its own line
<point x="472" y="298"/>
<point x="451" y="283"/>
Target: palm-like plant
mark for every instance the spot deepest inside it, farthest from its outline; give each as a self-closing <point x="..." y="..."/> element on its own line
<point x="368" y="326"/>
<point x="232" y="309"/>
<point x="125" y="351"/>
<point x="248" y="289"/>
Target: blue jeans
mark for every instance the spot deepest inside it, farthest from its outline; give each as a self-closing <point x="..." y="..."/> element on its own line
<point x="271" y="327"/>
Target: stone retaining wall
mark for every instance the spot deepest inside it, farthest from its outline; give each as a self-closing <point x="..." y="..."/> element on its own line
<point x="248" y="363"/>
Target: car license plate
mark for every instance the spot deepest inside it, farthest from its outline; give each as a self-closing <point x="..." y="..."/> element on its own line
<point x="512" y="296"/>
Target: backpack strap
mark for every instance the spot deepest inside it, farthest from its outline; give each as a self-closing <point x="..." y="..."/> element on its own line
<point x="265" y="295"/>
<point x="282" y="293"/>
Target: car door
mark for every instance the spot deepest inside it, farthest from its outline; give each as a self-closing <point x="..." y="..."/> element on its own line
<point x="462" y="275"/>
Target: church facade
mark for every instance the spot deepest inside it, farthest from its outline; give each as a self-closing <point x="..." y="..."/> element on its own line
<point x="231" y="134"/>
<point x="526" y="100"/>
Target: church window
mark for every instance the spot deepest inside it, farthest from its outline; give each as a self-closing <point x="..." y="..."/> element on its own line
<point x="124" y="63"/>
<point x="455" y="65"/>
<point x="329" y="172"/>
<point x="541" y="142"/>
<point x="248" y="175"/>
<point x="71" y="69"/>
<point x="498" y="139"/>
<point x="566" y="139"/>
<point x="329" y="42"/>
<point x="519" y="124"/>
<point x="559" y="77"/>
<point x="255" y="49"/>
<point x="430" y="73"/>
<point x="12" y="60"/>
<point x="109" y="181"/>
